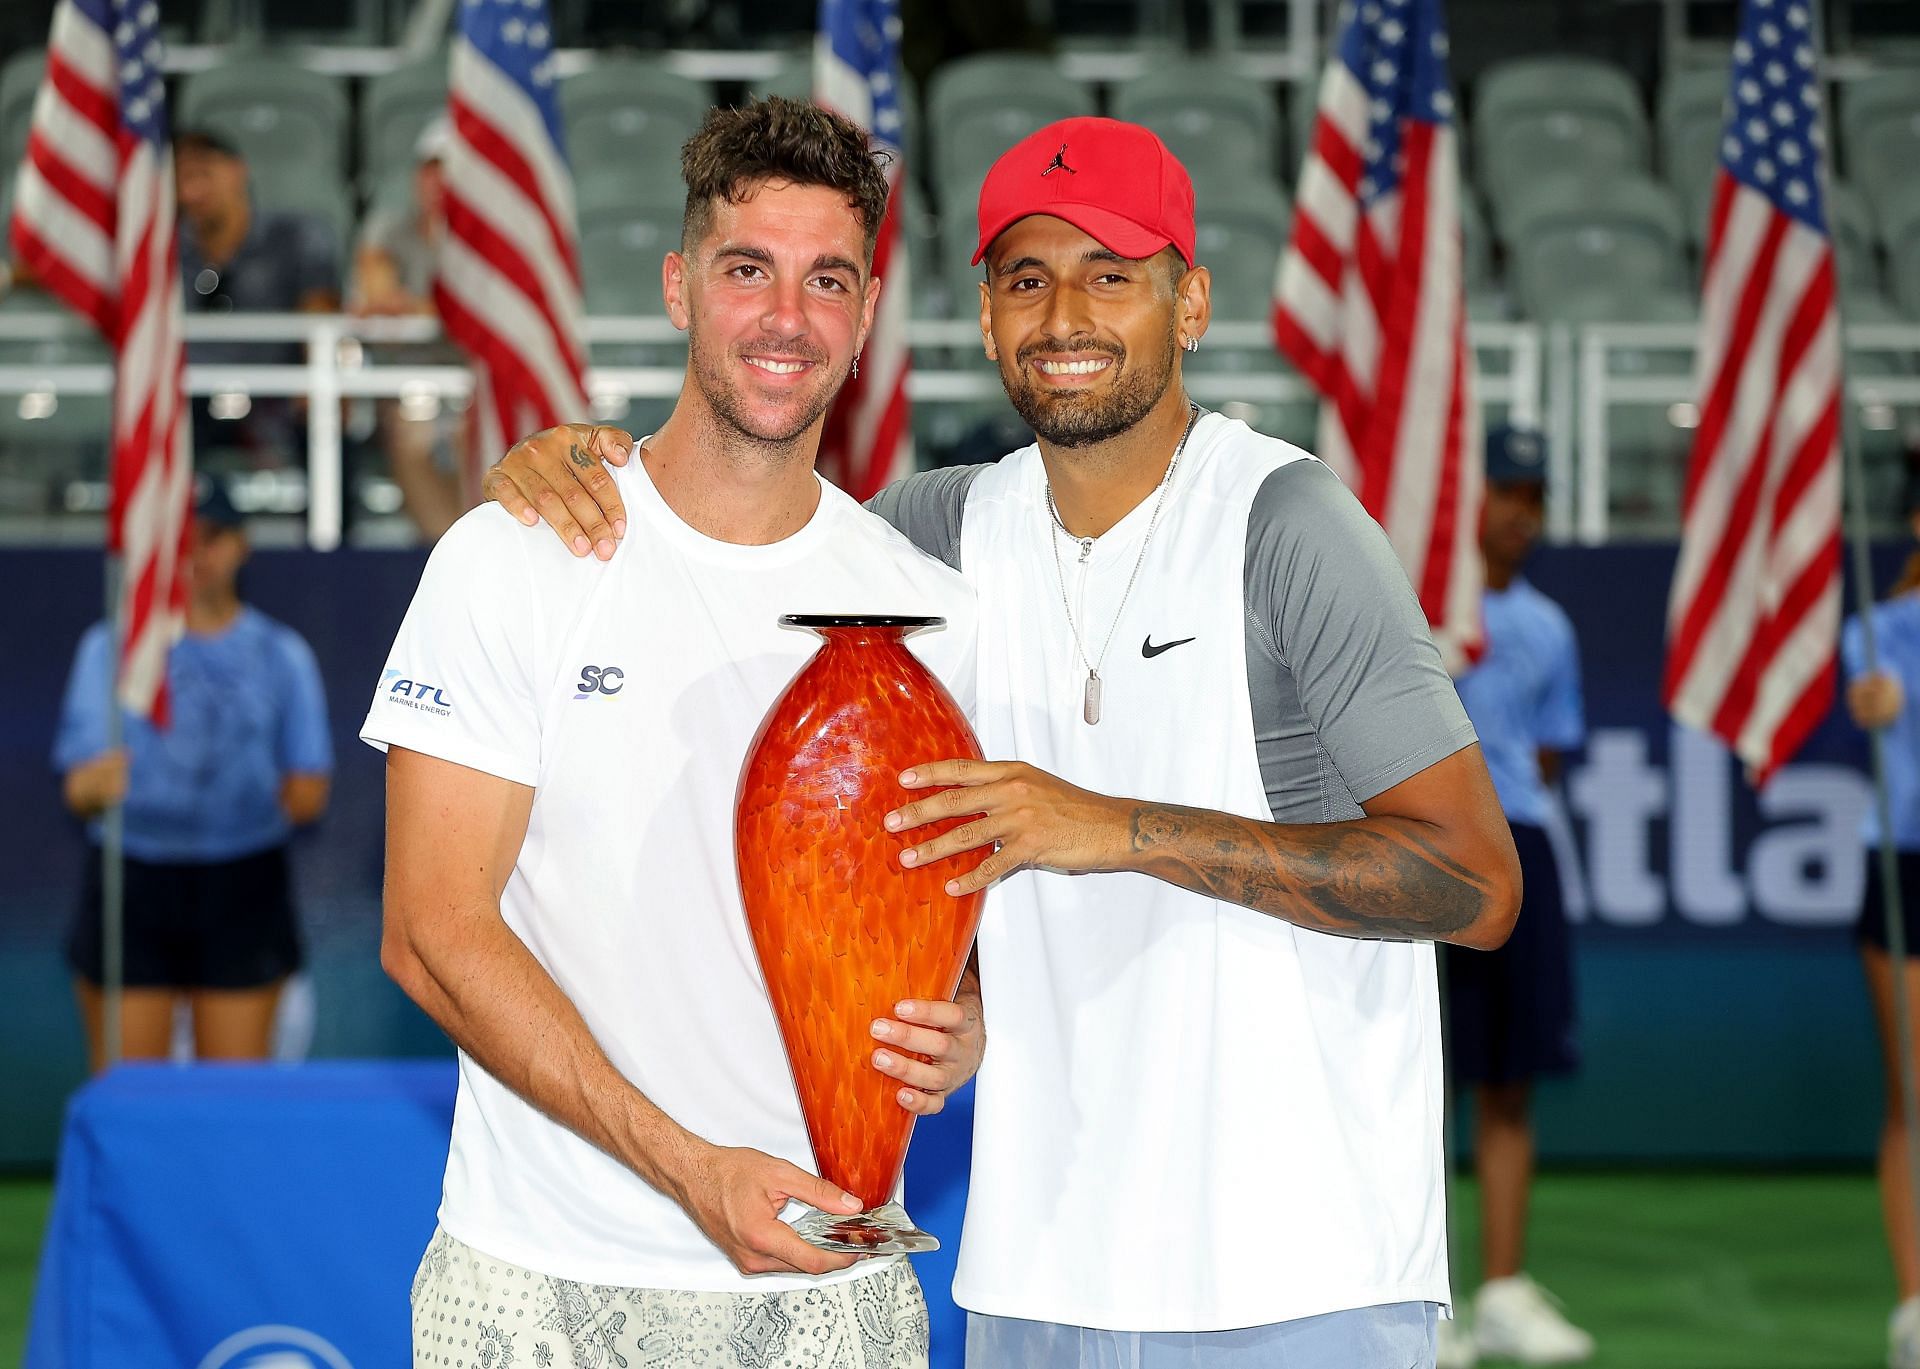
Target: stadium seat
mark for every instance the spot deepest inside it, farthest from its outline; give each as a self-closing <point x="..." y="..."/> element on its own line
<point x="1580" y="247"/>
<point x="793" y="78"/>
<point x="977" y="107"/>
<point x="273" y="110"/>
<point x="1239" y="236"/>
<point x="1548" y="116"/>
<point x="632" y="115"/>
<point x="323" y="194"/>
<point x="1877" y="425"/>
<point x="46" y="438"/>
<point x="1850" y="220"/>
<point x="1646" y="449"/>
<point x="19" y="83"/>
<point x="1900" y="231"/>
<point x="1880" y="122"/>
<point x="1224" y="128"/>
<point x="394" y="108"/>
<point x="1477" y="246"/>
<point x="359" y="23"/>
<point x="1692" y="114"/>
<point x="622" y="243"/>
<point x="1293" y="421"/>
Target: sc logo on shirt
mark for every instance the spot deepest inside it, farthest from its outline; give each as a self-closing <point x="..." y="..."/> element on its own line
<point x="599" y="679"/>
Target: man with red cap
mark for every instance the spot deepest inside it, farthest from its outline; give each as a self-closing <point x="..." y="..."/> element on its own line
<point x="1208" y="1128"/>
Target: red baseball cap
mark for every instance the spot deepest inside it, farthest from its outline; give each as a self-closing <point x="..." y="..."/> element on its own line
<point x="1115" y="181"/>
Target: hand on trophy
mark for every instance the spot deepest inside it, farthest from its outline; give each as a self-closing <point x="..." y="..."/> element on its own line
<point x="950" y="1036"/>
<point x="560" y="475"/>
<point x="735" y="1195"/>
<point x="1039" y="820"/>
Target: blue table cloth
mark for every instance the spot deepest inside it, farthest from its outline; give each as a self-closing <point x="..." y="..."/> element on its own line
<point x="226" y="1215"/>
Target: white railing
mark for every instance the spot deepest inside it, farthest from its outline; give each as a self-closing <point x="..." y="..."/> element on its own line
<point x="1585" y="390"/>
<point x="340" y="365"/>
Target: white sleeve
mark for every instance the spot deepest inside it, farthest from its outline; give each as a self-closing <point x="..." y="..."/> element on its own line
<point x="459" y="682"/>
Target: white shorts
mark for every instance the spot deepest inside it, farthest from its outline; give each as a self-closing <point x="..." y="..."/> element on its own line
<point x="472" y="1311"/>
<point x="1397" y="1335"/>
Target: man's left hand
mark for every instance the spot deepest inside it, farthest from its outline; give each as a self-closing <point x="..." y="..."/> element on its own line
<point x="1040" y="821"/>
<point x="950" y="1036"/>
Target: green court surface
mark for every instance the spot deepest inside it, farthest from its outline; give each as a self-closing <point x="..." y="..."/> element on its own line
<point x="1669" y="1271"/>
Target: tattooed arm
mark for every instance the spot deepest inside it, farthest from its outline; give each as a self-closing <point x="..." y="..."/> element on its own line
<point x="1433" y="858"/>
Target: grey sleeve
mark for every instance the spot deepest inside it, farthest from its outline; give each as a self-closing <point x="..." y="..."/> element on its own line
<point x="1328" y="597"/>
<point x="927" y="507"/>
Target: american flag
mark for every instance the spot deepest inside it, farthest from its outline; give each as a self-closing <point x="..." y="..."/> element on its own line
<point x="508" y="288"/>
<point x="1754" y="616"/>
<point x="1371" y="304"/>
<point x="868" y="441"/>
<point x="93" y="221"/>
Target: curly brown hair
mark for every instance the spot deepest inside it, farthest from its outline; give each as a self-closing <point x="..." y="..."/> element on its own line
<point x="780" y="139"/>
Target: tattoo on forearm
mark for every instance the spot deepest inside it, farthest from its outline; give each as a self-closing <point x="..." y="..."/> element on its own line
<point x="580" y="458"/>
<point x="1384" y="878"/>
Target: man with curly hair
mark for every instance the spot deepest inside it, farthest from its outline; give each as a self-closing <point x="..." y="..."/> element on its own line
<point x="627" y="1137"/>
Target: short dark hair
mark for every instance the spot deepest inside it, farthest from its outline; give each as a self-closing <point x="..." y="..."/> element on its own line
<point x="780" y="139"/>
<point x="203" y="140"/>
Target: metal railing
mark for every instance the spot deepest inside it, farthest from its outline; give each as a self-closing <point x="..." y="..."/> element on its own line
<point x="1588" y="388"/>
<point x="342" y="362"/>
<point x="1564" y="379"/>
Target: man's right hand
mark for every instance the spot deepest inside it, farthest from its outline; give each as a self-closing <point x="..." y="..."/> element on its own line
<point x="560" y="475"/>
<point x="95" y="785"/>
<point x="1875" y="700"/>
<point x="735" y="1195"/>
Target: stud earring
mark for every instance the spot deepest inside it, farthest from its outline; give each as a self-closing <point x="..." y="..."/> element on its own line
<point x="1192" y="344"/>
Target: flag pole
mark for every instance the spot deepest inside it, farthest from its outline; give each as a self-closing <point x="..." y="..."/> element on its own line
<point x="1854" y="481"/>
<point x="112" y="845"/>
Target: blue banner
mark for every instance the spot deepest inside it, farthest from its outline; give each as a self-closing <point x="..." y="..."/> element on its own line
<point x="1722" y="1010"/>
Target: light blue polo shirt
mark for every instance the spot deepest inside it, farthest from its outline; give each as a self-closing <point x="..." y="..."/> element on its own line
<point x="248" y="710"/>
<point x="1896" y="634"/>
<point x="1524" y="695"/>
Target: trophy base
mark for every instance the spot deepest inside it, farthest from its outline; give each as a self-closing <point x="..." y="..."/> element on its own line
<point x="884" y="1230"/>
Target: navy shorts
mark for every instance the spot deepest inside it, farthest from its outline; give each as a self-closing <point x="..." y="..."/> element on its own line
<point x="1871" y="929"/>
<point x="1510" y="1012"/>
<point x="220" y="925"/>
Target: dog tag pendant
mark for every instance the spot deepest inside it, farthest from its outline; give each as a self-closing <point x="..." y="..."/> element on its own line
<point x="1090" y="709"/>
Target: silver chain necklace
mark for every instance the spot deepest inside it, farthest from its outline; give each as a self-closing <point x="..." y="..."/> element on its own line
<point x="1090" y="704"/>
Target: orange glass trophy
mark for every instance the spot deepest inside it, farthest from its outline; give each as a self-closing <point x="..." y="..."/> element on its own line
<point x="843" y="930"/>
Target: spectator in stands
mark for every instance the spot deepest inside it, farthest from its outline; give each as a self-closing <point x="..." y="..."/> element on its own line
<point x="238" y="258"/>
<point x="1878" y="700"/>
<point x="1511" y="1010"/>
<point x="393" y="270"/>
<point x="210" y="803"/>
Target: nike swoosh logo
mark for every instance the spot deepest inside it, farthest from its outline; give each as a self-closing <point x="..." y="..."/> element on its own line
<point x="1149" y="650"/>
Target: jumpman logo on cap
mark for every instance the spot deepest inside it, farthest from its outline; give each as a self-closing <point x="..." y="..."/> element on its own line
<point x="1059" y="163"/>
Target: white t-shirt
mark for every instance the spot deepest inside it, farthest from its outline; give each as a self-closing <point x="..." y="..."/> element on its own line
<point x="1193" y="1116"/>
<point x="627" y="693"/>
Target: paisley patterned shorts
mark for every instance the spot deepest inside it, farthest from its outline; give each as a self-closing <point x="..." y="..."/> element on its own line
<point x="472" y="1311"/>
